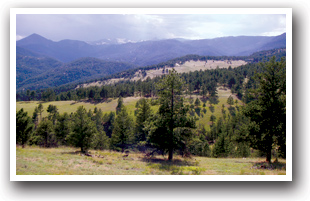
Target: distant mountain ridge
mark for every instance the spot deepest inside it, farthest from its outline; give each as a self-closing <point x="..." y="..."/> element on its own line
<point x="43" y="63"/>
<point x="39" y="73"/>
<point x="150" y="52"/>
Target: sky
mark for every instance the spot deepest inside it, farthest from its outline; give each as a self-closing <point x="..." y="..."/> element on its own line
<point x="94" y="27"/>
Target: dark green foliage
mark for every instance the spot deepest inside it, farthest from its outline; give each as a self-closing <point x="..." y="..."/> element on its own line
<point x="122" y="135"/>
<point x="35" y="116"/>
<point x="198" y="145"/>
<point x="45" y="135"/>
<point x="211" y="107"/>
<point x="170" y="128"/>
<point x="268" y="110"/>
<point x="120" y="105"/>
<point x="100" y="139"/>
<point x="24" y="127"/>
<point x="212" y="118"/>
<point x="83" y="129"/>
<point x="63" y="128"/>
<point x="223" y="146"/>
<point x="232" y="111"/>
<point x="198" y="110"/>
<point x="40" y="110"/>
<point x="48" y="95"/>
<point x="53" y="113"/>
<point x="243" y="149"/>
<point x="143" y="112"/>
<point x="197" y="102"/>
<point x="108" y="123"/>
<point x="204" y="110"/>
<point x="74" y="72"/>
<point x="230" y="100"/>
<point x="214" y="99"/>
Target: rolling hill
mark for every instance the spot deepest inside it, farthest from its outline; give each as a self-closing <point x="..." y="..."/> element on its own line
<point x="74" y="72"/>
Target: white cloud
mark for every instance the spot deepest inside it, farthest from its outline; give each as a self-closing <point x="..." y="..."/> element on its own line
<point x="19" y="37"/>
<point x="145" y="27"/>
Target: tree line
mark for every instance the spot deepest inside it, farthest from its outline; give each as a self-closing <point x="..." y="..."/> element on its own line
<point x="196" y="83"/>
<point x="259" y="124"/>
<point x="253" y="59"/>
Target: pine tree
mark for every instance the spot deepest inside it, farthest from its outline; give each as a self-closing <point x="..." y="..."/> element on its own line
<point x="122" y="135"/>
<point x="171" y="126"/>
<point x="83" y="129"/>
<point x="268" y="111"/>
<point x="120" y="104"/>
<point x="143" y="112"/>
<point x="63" y="128"/>
<point x="46" y="133"/>
<point x="40" y="110"/>
<point x="24" y="127"/>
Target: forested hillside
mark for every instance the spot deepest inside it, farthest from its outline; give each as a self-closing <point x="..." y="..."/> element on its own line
<point x="237" y="127"/>
<point x="35" y="73"/>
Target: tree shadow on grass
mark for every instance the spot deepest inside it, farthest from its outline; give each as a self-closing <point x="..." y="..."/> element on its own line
<point x="174" y="167"/>
<point x="94" y="102"/>
<point x="269" y="166"/>
<point x="72" y="152"/>
<point x="166" y="162"/>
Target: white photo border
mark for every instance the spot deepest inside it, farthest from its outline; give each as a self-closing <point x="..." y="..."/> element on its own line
<point x="286" y="11"/>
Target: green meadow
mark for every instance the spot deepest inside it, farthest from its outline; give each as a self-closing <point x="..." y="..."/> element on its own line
<point x="130" y="102"/>
<point x="69" y="161"/>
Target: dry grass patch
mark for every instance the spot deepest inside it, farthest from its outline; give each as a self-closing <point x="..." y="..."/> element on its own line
<point x="68" y="161"/>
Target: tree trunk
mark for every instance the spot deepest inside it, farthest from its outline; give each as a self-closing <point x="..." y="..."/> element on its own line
<point x="268" y="156"/>
<point x="170" y="154"/>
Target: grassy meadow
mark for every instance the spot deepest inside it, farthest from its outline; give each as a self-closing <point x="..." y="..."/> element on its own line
<point x="34" y="160"/>
<point x="69" y="161"/>
<point x="130" y="102"/>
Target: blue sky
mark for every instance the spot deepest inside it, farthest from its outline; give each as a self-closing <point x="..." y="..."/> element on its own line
<point x="92" y="27"/>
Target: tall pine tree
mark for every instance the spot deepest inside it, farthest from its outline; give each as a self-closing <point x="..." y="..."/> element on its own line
<point x="172" y="125"/>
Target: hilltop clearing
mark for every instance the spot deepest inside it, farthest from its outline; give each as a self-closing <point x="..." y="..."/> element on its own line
<point x="188" y="66"/>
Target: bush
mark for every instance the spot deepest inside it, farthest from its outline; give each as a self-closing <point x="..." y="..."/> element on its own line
<point x="223" y="147"/>
<point x="199" y="147"/>
<point x="243" y="150"/>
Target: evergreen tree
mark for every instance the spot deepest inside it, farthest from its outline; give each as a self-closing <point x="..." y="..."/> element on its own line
<point x="268" y="111"/>
<point x="122" y="135"/>
<point x="53" y="113"/>
<point x="63" y="128"/>
<point x="35" y="116"/>
<point x="46" y="134"/>
<point x="40" y="110"/>
<point x="120" y="104"/>
<point x="230" y="101"/>
<point x="83" y="129"/>
<point x="171" y="126"/>
<point x="100" y="139"/>
<point x="197" y="102"/>
<point x="142" y="114"/>
<point x="24" y="127"/>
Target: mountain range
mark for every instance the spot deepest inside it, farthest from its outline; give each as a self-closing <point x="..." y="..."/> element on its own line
<point x="43" y="63"/>
<point x="150" y="52"/>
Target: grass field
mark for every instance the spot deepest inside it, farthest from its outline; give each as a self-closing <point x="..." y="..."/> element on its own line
<point x="71" y="106"/>
<point x="129" y="102"/>
<point x="68" y="161"/>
